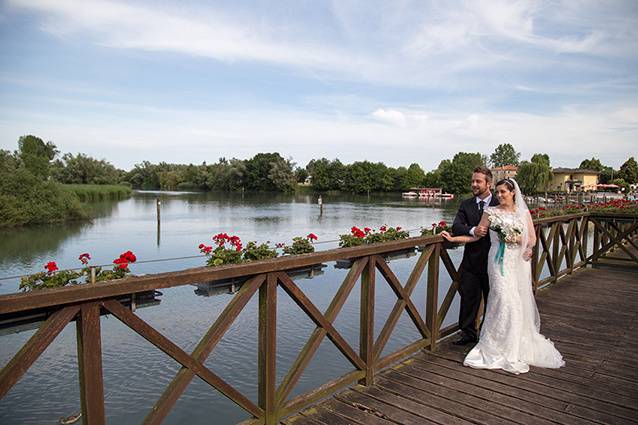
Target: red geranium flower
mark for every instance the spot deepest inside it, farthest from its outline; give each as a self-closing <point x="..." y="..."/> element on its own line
<point x="367" y="229"/>
<point x="382" y="229"/>
<point x="121" y="263"/>
<point x="442" y="223"/>
<point x="399" y="228"/>
<point x="84" y="258"/>
<point x="312" y="237"/>
<point x="128" y="256"/>
<point x="358" y="233"/>
<point x="51" y="266"/>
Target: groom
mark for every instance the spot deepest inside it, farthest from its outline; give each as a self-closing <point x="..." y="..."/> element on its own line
<point x="474" y="282"/>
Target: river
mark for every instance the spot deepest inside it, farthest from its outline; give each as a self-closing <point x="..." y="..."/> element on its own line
<point x="136" y="373"/>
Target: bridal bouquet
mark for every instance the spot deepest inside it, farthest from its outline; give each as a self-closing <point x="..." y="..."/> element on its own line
<point x="507" y="231"/>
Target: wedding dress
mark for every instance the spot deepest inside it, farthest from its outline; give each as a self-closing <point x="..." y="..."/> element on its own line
<point x="510" y="338"/>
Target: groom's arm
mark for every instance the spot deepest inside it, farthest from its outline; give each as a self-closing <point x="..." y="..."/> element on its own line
<point x="460" y="226"/>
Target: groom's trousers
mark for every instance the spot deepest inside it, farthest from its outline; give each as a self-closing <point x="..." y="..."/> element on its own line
<point x="472" y="287"/>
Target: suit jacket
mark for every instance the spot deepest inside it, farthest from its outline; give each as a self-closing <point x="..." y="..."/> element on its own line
<point x="475" y="254"/>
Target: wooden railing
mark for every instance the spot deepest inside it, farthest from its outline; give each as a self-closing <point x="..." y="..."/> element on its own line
<point x="560" y="239"/>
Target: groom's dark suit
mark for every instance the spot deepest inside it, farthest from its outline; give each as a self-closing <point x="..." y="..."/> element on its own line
<point x="473" y="270"/>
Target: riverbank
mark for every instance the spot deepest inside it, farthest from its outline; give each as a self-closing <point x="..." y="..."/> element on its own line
<point x="26" y="200"/>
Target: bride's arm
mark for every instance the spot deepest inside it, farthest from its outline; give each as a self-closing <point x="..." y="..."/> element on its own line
<point x="531" y="232"/>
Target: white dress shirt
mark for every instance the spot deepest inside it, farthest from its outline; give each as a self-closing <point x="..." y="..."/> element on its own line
<point x="487" y="201"/>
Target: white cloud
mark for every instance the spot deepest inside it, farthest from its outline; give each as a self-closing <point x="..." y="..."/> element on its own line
<point x="405" y="43"/>
<point x="425" y="137"/>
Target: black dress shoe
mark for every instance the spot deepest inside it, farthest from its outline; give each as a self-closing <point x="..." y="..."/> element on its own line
<point x="464" y="340"/>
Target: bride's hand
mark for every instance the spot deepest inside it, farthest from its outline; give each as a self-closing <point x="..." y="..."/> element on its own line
<point x="527" y="255"/>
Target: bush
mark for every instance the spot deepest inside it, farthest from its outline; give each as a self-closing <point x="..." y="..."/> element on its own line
<point x="25" y="199"/>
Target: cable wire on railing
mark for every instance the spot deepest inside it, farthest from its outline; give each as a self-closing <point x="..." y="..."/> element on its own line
<point x="160" y="260"/>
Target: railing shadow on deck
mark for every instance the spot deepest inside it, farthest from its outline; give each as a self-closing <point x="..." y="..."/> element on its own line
<point x="562" y="248"/>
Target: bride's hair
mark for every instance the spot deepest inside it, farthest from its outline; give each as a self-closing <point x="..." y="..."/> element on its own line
<point x="507" y="183"/>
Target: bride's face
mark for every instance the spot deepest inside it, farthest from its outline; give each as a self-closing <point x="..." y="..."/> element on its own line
<point x="504" y="195"/>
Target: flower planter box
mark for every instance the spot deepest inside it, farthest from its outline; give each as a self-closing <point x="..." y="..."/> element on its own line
<point x="232" y="285"/>
<point x="395" y="255"/>
<point x="19" y="322"/>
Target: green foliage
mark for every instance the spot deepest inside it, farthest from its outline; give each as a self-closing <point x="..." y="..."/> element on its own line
<point x="607" y="175"/>
<point x="254" y="252"/>
<point x="222" y="256"/>
<point x="326" y="175"/>
<point x="82" y="169"/>
<point x="26" y="199"/>
<point x="299" y="246"/>
<point x="456" y="175"/>
<point x="629" y="171"/>
<point x="624" y="185"/>
<point x="35" y="155"/>
<point x="414" y="177"/>
<point x="98" y="192"/>
<point x="505" y="154"/>
<point x="591" y="164"/>
<point x="269" y="172"/>
<point x="43" y="280"/>
<point x="535" y="175"/>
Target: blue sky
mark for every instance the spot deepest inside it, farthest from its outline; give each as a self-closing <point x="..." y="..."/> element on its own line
<point x="392" y="81"/>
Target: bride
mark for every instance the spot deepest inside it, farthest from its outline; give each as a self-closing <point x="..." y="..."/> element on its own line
<point x="510" y="338"/>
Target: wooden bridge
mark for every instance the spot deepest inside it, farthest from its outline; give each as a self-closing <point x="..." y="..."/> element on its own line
<point x="589" y="313"/>
<point x="592" y="316"/>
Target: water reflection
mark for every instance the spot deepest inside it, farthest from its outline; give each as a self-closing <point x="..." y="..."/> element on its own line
<point x="136" y="373"/>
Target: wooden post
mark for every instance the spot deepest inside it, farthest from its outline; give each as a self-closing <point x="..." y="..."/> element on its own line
<point x="556" y="250"/>
<point x="157" y="204"/>
<point x="596" y="246"/>
<point x="366" y="331"/>
<point x="267" y="360"/>
<point x="90" y="365"/>
<point x="432" y="300"/>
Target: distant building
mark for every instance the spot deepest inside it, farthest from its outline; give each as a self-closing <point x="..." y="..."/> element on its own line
<point x="307" y="181"/>
<point x="504" y="172"/>
<point x="574" y="180"/>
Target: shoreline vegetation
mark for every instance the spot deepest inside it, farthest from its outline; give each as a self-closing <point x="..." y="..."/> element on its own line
<point x="38" y="187"/>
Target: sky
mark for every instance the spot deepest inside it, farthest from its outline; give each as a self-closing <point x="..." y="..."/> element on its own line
<point x="393" y="81"/>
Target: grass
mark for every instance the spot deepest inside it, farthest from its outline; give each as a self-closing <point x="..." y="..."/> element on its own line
<point x="98" y="192"/>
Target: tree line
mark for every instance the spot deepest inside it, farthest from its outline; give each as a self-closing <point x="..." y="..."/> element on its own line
<point x="272" y="172"/>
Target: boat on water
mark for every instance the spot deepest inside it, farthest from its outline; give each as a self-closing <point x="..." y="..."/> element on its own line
<point x="410" y="195"/>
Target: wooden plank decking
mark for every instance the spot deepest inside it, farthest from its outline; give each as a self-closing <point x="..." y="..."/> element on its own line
<point x="592" y="316"/>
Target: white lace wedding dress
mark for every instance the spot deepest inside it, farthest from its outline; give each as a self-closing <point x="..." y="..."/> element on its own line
<point x="510" y="338"/>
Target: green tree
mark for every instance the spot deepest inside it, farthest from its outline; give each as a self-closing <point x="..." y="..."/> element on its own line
<point x="301" y="174"/>
<point x="456" y="175"/>
<point x="535" y="175"/>
<point x="591" y="164"/>
<point x="326" y="175"/>
<point x="432" y="179"/>
<point x="414" y="177"/>
<point x="505" y="154"/>
<point x="607" y="174"/>
<point x="35" y="155"/>
<point x="629" y="171"/>
<point x="82" y="169"/>
<point x="625" y="188"/>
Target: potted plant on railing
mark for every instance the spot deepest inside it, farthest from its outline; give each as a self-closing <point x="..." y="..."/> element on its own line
<point x="228" y="250"/>
<point x="437" y="228"/>
<point x="302" y="245"/>
<point x="386" y="234"/>
<point x="358" y="237"/>
<point x="55" y="278"/>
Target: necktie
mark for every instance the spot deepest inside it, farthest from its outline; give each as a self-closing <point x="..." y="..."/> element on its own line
<point x="481" y="205"/>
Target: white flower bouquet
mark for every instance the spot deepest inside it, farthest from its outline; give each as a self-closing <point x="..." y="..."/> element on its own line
<point x="507" y="231"/>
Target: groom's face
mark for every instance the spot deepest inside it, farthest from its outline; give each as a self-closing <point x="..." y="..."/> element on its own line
<point x="480" y="184"/>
